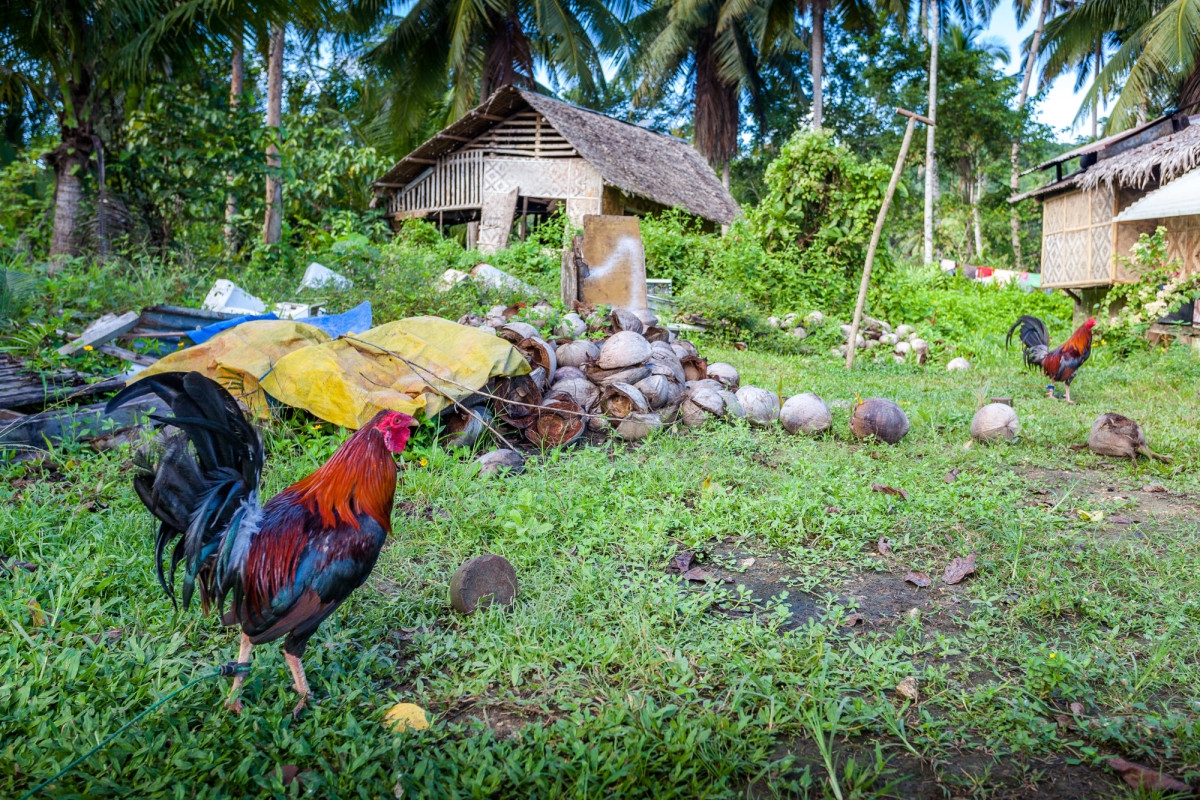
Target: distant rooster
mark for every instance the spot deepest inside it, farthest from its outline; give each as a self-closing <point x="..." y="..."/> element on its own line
<point x="1059" y="364"/>
<point x="284" y="566"/>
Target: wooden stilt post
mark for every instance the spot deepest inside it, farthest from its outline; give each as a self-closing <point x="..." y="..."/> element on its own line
<point x="913" y="119"/>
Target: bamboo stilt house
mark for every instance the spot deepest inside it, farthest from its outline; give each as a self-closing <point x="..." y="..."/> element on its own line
<point x="522" y="153"/>
<point x="1083" y="233"/>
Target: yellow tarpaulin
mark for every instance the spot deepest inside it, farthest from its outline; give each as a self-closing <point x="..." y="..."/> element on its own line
<point x="239" y="357"/>
<point x="347" y="381"/>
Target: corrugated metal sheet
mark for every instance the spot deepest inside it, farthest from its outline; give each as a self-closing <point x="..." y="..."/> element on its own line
<point x="1178" y="198"/>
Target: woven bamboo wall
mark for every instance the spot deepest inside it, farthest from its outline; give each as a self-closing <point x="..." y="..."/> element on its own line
<point x="1077" y="238"/>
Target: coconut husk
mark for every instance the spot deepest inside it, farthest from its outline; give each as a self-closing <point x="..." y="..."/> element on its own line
<point x="1117" y="436"/>
<point x="703" y="383"/>
<point x="622" y="399"/>
<point x="668" y="368"/>
<point x="995" y="422"/>
<point x="539" y="353"/>
<point x="584" y="391"/>
<point x="522" y="389"/>
<point x="683" y="347"/>
<point x="516" y="331"/>
<point x="724" y="374"/>
<point x="761" y="405"/>
<point x="567" y="373"/>
<point x="881" y="418"/>
<point x="805" y="413"/>
<point x="637" y="426"/>
<point x="463" y="429"/>
<point x="657" y="333"/>
<point x="622" y="319"/>
<point x="500" y="461"/>
<point x="695" y="368"/>
<point x="558" y="422"/>
<point x="624" y="349"/>
<point x="604" y="377"/>
<point x="656" y="389"/>
<point x="470" y="320"/>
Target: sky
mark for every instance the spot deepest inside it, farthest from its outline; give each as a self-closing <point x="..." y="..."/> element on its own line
<point x="1061" y="104"/>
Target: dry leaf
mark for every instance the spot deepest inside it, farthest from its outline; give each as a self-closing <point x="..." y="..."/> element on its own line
<point x="1091" y="516"/>
<point x="918" y="578"/>
<point x="1142" y="777"/>
<point x="1076" y="708"/>
<point x="952" y="476"/>
<point x="36" y="616"/>
<point x="1120" y="520"/>
<point x="959" y="568"/>
<point x="406" y="717"/>
<point x="907" y="688"/>
<point x="884" y="546"/>
<point x="1154" y="488"/>
<point x="11" y="566"/>
<point x="699" y="574"/>
<point x="1064" y="721"/>
<point x="852" y="620"/>
<point x="879" y="487"/>
<point x="747" y="563"/>
<point x="289" y="773"/>
<point x="683" y="561"/>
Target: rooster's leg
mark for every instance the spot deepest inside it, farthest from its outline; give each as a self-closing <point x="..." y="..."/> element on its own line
<point x="300" y="682"/>
<point x="1068" y="397"/>
<point x="233" y="702"/>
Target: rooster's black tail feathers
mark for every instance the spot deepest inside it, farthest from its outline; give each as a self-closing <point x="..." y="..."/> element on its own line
<point x="199" y="493"/>
<point x="1033" y="336"/>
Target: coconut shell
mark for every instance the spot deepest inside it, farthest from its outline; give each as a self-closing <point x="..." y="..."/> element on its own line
<point x="540" y="377"/>
<point x="559" y="421"/>
<point x="539" y="353"/>
<point x="656" y="333"/>
<point x="733" y="406"/>
<point x="695" y="368"/>
<point x="577" y="353"/>
<point x="761" y="406"/>
<point x="571" y="326"/>
<point x="724" y="374"/>
<point x="470" y="320"/>
<point x="668" y="368"/>
<point x="656" y="389"/>
<point x="624" y="349"/>
<point x="462" y="429"/>
<point x="567" y="373"/>
<point x="622" y="319"/>
<point x="1117" y="436"/>
<point x="704" y="383"/>
<point x="687" y="348"/>
<point x="881" y="418"/>
<point x="995" y="422"/>
<point x="516" y="331"/>
<point x="959" y="364"/>
<point x="637" y="426"/>
<point x="500" y="461"/>
<point x="584" y="391"/>
<point x="805" y="413"/>
<point x="622" y="399"/>
<point x="604" y="377"/>
<point x="521" y="389"/>
<point x="646" y="316"/>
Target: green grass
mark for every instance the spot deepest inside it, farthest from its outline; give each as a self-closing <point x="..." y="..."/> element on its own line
<point x="609" y="678"/>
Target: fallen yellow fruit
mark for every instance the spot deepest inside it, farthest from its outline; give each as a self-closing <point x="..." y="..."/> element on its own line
<point x="406" y="717"/>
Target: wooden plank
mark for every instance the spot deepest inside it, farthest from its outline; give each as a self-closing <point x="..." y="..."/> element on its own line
<point x="36" y="430"/>
<point x="496" y="220"/>
<point x="52" y="393"/>
<point x="126" y="355"/>
<point x="102" y="330"/>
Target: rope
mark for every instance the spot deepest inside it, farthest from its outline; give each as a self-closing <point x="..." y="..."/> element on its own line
<point x="225" y="670"/>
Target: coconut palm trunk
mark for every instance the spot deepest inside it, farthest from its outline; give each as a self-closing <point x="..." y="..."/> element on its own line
<point x="818" y="62"/>
<point x="715" y="116"/>
<point x="976" y="194"/>
<point x="1014" y="218"/>
<point x="1096" y="105"/>
<point x="236" y="78"/>
<point x="930" y="160"/>
<point x="69" y="161"/>
<point x="273" y="224"/>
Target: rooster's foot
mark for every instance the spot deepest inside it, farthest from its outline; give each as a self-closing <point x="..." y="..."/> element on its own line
<point x="234" y="706"/>
<point x="299" y="709"/>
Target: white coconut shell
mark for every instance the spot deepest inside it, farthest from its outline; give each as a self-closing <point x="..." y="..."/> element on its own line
<point x="959" y="364"/>
<point x="805" y="413"/>
<point x="577" y="353"/>
<point x="581" y="390"/>
<point x="516" y="331"/>
<point x="761" y="406"/>
<point x="567" y="373"/>
<point x="668" y="368"/>
<point x="902" y="348"/>
<point x="919" y="345"/>
<point x="733" y="408"/>
<point x="814" y="319"/>
<point x="689" y="349"/>
<point x="706" y="383"/>
<point x="645" y="315"/>
<point x="624" y="349"/>
<point x="571" y="325"/>
<point x="904" y="331"/>
<point x="637" y="426"/>
<point x="500" y="461"/>
<point x="724" y="374"/>
<point x="799" y="333"/>
<point x="497" y="311"/>
<point x="995" y="422"/>
<point x="774" y="322"/>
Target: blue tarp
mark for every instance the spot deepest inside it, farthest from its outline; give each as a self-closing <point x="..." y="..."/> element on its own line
<point x="356" y="320"/>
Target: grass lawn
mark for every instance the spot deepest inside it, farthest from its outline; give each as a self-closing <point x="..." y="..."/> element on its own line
<point x="1074" y="641"/>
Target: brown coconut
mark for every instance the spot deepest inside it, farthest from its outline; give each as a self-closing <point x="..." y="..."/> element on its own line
<point x="558" y="422"/>
<point x="881" y="418"/>
<point x="695" y="368"/>
<point x="805" y="413"/>
<point x="510" y="392"/>
<point x="539" y="353"/>
<point x="619" y="400"/>
<point x="1120" y="437"/>
<point x="624" y="349"/>
<point x="761" y="405"/>
<point x="622" y="319"/>
<point x="577" y="353"/>
<point x="516" y="331"/>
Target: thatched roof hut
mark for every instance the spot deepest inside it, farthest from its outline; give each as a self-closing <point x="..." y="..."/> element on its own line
<point x="522" y="150"/>
<point x="1083" y="241"/>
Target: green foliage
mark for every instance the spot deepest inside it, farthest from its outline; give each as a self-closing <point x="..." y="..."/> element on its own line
<point x="1161" y="286"/>
<point x="25" y="194"/>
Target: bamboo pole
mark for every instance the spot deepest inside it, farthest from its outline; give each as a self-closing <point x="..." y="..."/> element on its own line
<point x="913" y="119"/>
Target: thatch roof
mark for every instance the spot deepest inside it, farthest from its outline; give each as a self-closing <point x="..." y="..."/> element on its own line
<point x="661" y="168"/>
<point x="1147" y="156"/>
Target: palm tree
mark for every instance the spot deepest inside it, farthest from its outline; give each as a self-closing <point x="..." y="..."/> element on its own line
<point x="273" y="219"/>
<point x="710" y="44"/>
<point x="97" y="52"/>
<point x="473" y="47"/>
<point x="1156" y="62"/>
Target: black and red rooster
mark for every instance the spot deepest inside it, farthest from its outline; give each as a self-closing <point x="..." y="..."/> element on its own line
<point x="1061" y="363"/>
<point x="283" y="566"/>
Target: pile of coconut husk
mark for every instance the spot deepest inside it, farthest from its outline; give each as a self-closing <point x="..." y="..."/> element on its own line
<point x="604" y="371"/>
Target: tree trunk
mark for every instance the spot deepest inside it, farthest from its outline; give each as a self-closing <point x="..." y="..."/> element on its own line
<point x="235" y="97"/>
<point x="1014" y="178"/>
<point x="273" y="224"/>
<point x="817" y="63"/>
<point x="976" y="193"/>
<point x="715" y="117"/>
<point x="930" y="161"/>
<point x="68" y="194"/>
<point x="1096" y="105"/>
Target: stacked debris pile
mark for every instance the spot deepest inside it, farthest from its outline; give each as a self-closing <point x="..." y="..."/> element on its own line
<point x="613" y="371"/>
